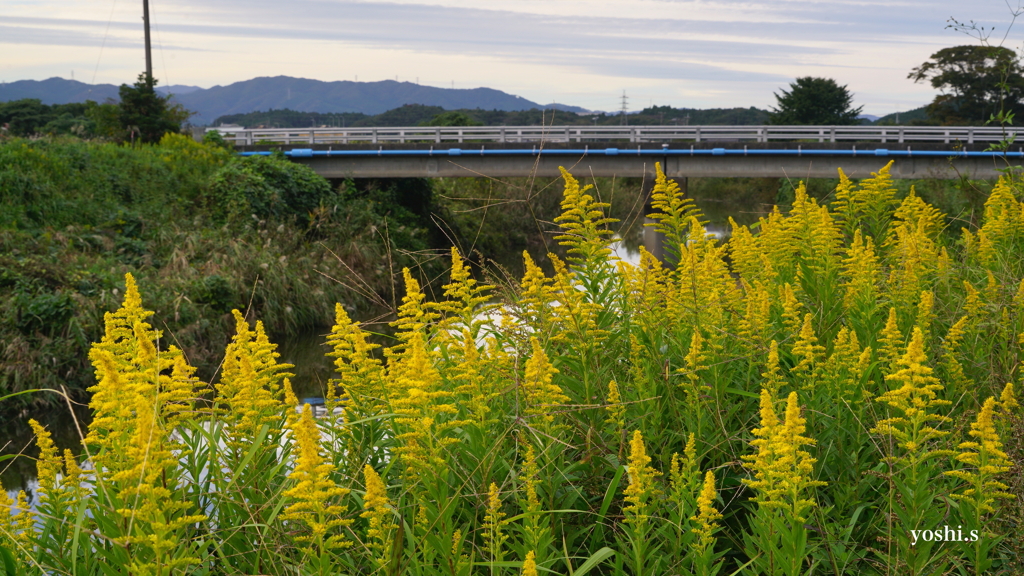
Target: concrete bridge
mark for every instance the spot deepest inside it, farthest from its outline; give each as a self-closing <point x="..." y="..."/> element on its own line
<point x="798" y="152"/>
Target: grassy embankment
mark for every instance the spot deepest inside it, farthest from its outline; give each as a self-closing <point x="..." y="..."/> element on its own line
<point x="213" y="232"/>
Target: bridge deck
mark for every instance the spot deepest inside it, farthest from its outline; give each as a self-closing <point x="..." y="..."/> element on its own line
<point x="889" y="135"/>
<point x="793" y="160"/>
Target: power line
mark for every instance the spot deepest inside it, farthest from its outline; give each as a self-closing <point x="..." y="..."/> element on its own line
<point x="104" y="43"/>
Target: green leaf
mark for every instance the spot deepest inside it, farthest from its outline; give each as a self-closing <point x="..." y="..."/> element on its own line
<point x="592" y="562"/>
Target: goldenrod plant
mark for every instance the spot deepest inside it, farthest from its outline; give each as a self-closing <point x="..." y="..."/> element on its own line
<point x="827" y="391"/>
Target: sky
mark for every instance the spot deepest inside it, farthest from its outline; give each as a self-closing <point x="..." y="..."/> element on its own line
<point x="681" y="53"/>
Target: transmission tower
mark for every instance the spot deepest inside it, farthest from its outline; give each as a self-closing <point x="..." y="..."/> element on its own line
<point x="625" y="107"/>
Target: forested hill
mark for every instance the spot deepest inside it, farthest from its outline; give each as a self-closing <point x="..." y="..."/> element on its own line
<point x="418" y="114"/>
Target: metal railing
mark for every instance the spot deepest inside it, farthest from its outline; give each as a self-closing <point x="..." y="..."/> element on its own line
<point x="632" y="134"/>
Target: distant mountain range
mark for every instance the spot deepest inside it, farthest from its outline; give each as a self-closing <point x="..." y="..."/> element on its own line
<point x="285" y="92"/>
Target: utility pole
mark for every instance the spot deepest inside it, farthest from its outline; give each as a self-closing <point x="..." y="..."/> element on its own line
<point x="149" y="52"/>
<point x="624" y="107"/>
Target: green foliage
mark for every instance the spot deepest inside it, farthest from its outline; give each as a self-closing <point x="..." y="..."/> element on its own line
<point x="74" y="216"/>
<point x="422" y="115"/>
<point x="269" y="187"/>
<point x="146" y="116"/>
<point x="977" y="82"/>
<point x="28" y="117"/>
<point x="819" y="101"/>
<point x="451" y="118"/>
<point x="286" y="118"/>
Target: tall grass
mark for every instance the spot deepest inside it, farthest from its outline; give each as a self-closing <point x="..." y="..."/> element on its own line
<point x="830" y="392"/>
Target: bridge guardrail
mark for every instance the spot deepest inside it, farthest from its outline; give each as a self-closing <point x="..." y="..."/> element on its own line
<point x="634" y="134"/>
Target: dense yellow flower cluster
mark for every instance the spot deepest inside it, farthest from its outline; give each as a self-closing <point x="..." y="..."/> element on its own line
<point x="987" y="459"/>
<point x="314" y="497"/>
<point x="583" y="221"/>
<point x="641" y="490"/>
<point x="782" y="469"/>
<point x="378" y="511"/>
<point x="916" y="398"/>
<point x="707" y="515"/>
<point x="541" y="396"/>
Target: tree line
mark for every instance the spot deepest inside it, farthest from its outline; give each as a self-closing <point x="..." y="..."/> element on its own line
<point x="142" y="115"/>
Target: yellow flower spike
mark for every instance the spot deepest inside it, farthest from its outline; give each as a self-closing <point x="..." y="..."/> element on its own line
<point x="693" y="364"/>
<point x="773" y="371"/>
<point x="916" y="397"/>
<point x="424" y="411"/>
<point x="745" y="253"/>
<point x="291" y="404"/>
<point x="846" y="366"/>
<point x="1002" y="224"/>
<point x="583" y="221"/>
<point x="754" y="326"/>
<point x="48" y="466"/>
<point x="616" y="410"/>
<point x="494" y="539"/>
<point x="24" y="524"/>
<point x="536" y="300"/>
<point x="541" y="395"/>
<point x="707" y="515"/>
<point x="72" y="481"/>
<point x="972" y="301"/>
<point x="465" y="302"/>
<point x="314" y="496"/>
<point x="641" y="489"/>
<point x="674" y="214"/>
<point x="870" y="203"/>
<point x="683" y="474"/>
<point x="250" y="390"/>
<point x="1007" y="400"/>
<point x="915" y="262"/>
<point x="791" y="307"/>
<point x="412" y="314"/>
<point x="474" y="388"/>
<point x="531" y="474"/>
<point x="6" y="526"/>
<point x="177" y="400"/>
<point x="891" y="341"/>
<point x="1018" y="298"/>
<point x="992" y="289"/>
<point x="918" y="213"/>
<point x="378" y="510"/>
<point x="807" y="350"/>
<point x="456" y="542"/>
<point x="575" y="316"/>
<point x="146" y="489"/>
<point x="986" y="456"/>
<point x="361" y="376"/>
<point x="530" y="564"/>
<point x="782" y="470"/>
<point x="16" y="530"/>
<point x="952" y="368"/>
<point x="925" y="314"/>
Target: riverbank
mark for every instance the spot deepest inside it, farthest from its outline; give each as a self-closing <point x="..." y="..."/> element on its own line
<point x="208" y="231"/>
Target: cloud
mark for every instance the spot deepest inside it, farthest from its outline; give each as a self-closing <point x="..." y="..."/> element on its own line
<point x="536" y="48"/>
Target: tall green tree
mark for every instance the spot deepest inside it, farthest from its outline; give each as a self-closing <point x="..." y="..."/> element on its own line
<point x="819" y="101"/>
<point x="977" y="82"/>
<point x="146" y="116"/>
